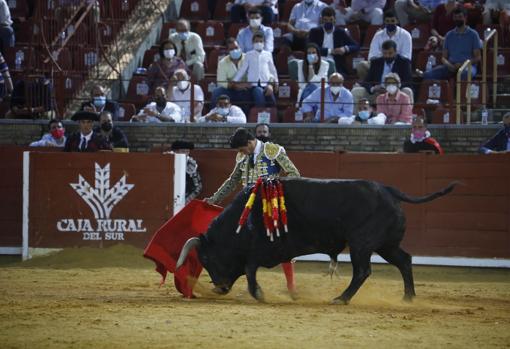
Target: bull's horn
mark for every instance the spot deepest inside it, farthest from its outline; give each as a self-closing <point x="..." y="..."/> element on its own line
<point x="190" y="244"/>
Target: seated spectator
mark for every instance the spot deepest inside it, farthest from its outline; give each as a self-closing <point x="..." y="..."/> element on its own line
<point x="224" y="112"/>
<point x="263" y="133"/>
<point x="225" y="73"/>
<point x="334" y="43"/>
<point x="390" y="62"/>
<point x="433" y="44"/>
<point x="337" y="102"/>
<point x="311" y="71"/>
<point x="420" y="140"/>
<point x="99" y="103"/>
<point x="460" y="44"/>
<point x="369" y="11"/>
<point x="391" y="31"/>
<point x="304" y="16"/>
<point x="395" y="104"/>
<point x="260" y="73"/>
<point x="442" y="19"/>
<point x="500" y="142"/>
<point x="161" y="71"/>
<point x="180" y="94"/>
<point x="6" y="31"/>
<point x="268" y="9"/>
<point x="160" y="110"/>
<point x="193" y="179"/>
<point x="189" y="48"/>
<point x="245" y="35"/>
<point x="365" y="116"/>
<point x="113" y="135"/>
<point x="86" y="139"/>
<point x="492" y="8"/>
<point x="55" y="138"/>
<point x="409" y="11"/>
<point x="36" y="104"/>
<point x="6" y="85"/>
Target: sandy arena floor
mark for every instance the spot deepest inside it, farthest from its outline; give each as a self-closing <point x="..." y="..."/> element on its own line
<point x="110" y="299"/>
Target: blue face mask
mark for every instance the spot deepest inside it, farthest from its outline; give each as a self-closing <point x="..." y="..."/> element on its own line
<point x="235" y="54"/>
<point x="223" y="111"/>
<point x="311" y="57"/>
<point x="99" y="101"/>
<point x="328" y="26"/>
<point x="183" y="36"/>
<point x="391" y="27"/>
<point x="364" y="114"/>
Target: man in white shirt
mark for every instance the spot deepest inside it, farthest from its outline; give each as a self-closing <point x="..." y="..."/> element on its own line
<point x="189" y="48"/>
<point x="180" y="94"/>
<point x="245" y="35"/>
<point x="304" y="16"/>
<point x="6" y="31"/>
<point x="260" y="72"/>
<point x="370" y="11"/>
<point x="224" y="112"/>
<point x="55" y="138"/>
<point x="391" y="31"/>
<point x="160" y="110"/>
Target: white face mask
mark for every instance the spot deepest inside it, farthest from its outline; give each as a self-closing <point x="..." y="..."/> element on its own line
<point x="259" y="46"/>
<point x="183" y="84"/>
<point x="169" y="53"/>
<point x="335" y="89"/>
<point x="392" y="89"/>
<point x="255" y="23"/>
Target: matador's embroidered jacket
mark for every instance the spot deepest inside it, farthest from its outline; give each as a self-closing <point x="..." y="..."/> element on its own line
<point x="269" y="162"/>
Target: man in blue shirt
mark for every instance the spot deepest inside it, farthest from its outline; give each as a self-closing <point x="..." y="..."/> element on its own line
<point x="500" y="143"/>
<point x="460" y="44"/>
<point x="245" y="35"/>
<point x="338" y="102"/>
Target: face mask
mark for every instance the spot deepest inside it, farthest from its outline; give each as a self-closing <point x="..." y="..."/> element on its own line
<point x="106" y="126"/>
<point x="419" y="135"/>
<point x="392" y="89"/>
<point x="169" y="53"/>
<point x="235" y="54"/>
<point x="391" y="27"/>
<point x="161" y="101"/>
<point x="459" y="23"/>
<point x="328" y="26"/>
<point x="258" y="46"/>
<point x="364" y="114"/>
<point x="335" y="89"/>
<point x="57" y="133"/>
<point x="183" y="84"/>
<point x="255" y="22"/>
<point x="223" y="111"/>
<point x="183" y="36"/>
<point x="99" y="101"/>
<point x="311" y="57"/>
<point x="263" y="139"/>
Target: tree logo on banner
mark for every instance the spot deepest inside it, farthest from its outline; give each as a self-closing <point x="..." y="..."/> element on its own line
<point x="101" y="199"/>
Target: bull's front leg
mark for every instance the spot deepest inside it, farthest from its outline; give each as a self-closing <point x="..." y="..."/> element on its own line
<point x="253" y="286"/>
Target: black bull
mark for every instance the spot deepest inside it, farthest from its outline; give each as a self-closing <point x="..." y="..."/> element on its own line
<point x="323" y="217"/>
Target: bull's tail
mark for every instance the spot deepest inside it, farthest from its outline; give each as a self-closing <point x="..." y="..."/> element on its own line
<point x="421" y="199"/>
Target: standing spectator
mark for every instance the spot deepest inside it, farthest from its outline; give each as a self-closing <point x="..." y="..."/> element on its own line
<point x="334" y="43"/>
<point x="395" y="104"/>
<point x="193" y="179"/>
<point x="420" y="140"/>
<point x="262" y="132"/>
<point x="245" y="35"/>
<point x="337" y="102"/>
<point x="311" y="71"/>
<point x="161" y="71"/>
<point x="370" y="11"/>
<point x="268" y="9"/>
<point x="189" y="48"/>
<point x="492" y="9"/>
<point x="304" y="16"/>
<point x="442" y="20"/>
<point x="500" y="142"/>
<point x="180" y="94"/>
<point x="390" y="62"/>
<point x="364" y="116"/>
<point x="225" y="73"/>
<point x="224" y="112"/>
<point x="160" y="110"/>
<point x="460" y="44"/>
<point x="55" y="138"/>
<point x="6" y="85"/>
<point x="414" y="10"/>
<point x="391" y="31"/>
<point x="86" y="139"/>
<point x="112" y="134"/>
<point x="6" y="32"/>
<point x="260" y="72"/>
<point x="99" y="103"/>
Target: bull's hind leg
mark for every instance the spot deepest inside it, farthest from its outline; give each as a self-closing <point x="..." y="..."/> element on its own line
<point x="361" y="270"/>
<point x="402" y="260"/>
<point x="253" y="286"/>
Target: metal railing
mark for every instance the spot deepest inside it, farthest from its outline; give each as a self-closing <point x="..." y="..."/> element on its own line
<point x="493" y="34"/>
<point x="467" y="64"/>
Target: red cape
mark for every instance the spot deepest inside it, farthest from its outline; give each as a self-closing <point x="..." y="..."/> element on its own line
<point x="167" y="242"/>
